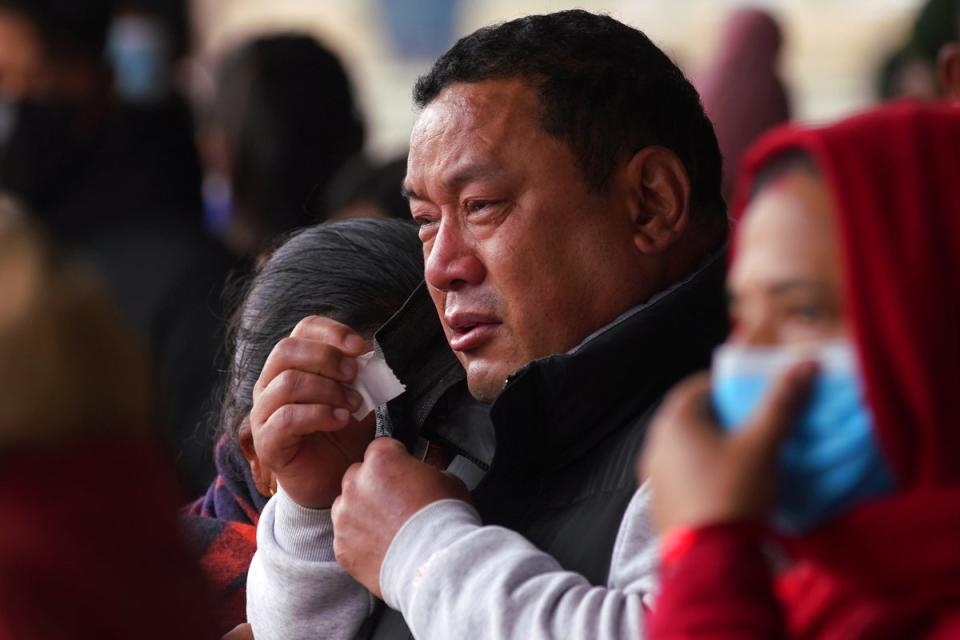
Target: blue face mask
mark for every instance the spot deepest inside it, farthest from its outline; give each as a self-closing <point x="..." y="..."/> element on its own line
<point x="137" y="50"/>
<point x="830" y="461"/>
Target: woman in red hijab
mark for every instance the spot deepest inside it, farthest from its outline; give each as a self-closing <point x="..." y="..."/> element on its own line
<point x="827" y="502"/>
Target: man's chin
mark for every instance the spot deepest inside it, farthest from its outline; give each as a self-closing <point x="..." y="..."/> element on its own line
<point x="484" y="382"/>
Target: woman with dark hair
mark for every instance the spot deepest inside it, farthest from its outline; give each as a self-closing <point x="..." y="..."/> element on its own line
<point x="810" y="486"/>
<point x="290" y="123"/>
<point x="358" y="272"/>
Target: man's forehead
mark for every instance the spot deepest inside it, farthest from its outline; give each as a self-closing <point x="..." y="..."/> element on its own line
<point x="471" y="119"/>
<point x="465" y="106"/>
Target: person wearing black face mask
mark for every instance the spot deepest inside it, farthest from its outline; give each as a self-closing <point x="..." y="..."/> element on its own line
<point x="120" y="185"/>
<point x="73" y="149"/>
<point x="53" y="96"/>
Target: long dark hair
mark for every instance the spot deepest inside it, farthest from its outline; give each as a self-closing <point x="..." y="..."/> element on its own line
<point x="291" y="122"/>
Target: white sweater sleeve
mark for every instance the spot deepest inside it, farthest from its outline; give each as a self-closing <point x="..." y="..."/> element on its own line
<point x="295" y="588"/>
<point x="452" y="577"/>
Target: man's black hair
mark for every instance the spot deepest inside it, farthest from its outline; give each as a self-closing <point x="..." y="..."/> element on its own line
<point x="605" y="90"/>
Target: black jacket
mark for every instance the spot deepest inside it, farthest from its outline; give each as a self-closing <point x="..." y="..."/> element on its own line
<point x="567" y="427"/>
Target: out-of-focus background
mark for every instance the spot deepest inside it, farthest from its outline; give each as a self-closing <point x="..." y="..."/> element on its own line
<point x="831" y="57"/>
<point x="170" y="144"/>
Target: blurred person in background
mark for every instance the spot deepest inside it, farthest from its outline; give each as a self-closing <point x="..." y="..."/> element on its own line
<point x="287" y="120"/>
<point x="147" y="45"/>
<point x="354" y="271"/>
<point x="741" y="90"/>
<point x="935" y="26"/>
<point x="368" y="190"/>
<point x="833" y="431"/>
<point x="948" y="62"/>
<point x="927" y="65"/>
<point x="118" y="182"/>
<point x="89" y="545"/>
<point x="905" y="74"/>
<point x="70" y="146"/>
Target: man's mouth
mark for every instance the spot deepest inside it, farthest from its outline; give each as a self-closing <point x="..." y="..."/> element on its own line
<point x="469" y="330"/>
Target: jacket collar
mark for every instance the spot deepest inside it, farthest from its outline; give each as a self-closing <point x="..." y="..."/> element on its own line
<point x="565" y="404"/>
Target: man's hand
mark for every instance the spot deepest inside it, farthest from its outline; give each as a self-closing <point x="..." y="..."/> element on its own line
<point x="301" y="418"/>
<point x="700" y="475"/>
<point x="378" y="497"/>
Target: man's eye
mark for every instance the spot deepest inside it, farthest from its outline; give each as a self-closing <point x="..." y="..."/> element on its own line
<point x="476" y="206"/>
<point x="423" y="221"/>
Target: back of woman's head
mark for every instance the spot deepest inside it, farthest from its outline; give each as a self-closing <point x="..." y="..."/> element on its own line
<point x="358" y="272"/>
<point x="290" y="122"/>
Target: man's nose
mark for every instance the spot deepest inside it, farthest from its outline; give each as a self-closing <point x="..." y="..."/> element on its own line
<point x="452" y="260"/>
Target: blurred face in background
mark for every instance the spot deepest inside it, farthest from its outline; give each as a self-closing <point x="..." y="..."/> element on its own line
<point x="31" y="68"/>
<point x="785" y="282"/>
<point x="53" y="99"/>
<point x="23" y="69"/>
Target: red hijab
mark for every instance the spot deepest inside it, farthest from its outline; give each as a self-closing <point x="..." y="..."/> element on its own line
<point x="891" y="567"/>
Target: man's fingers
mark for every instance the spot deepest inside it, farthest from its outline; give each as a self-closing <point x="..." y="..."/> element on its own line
<point x="306" y="355"/>
<point x="335" y="510"/>
<point x="384" y="447"/>
<point x="782" y="405"/>
<point x="336" y="334"/>
<point x="350" y="477"/>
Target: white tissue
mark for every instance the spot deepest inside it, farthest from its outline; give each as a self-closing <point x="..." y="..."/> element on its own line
<point x="376" y="383"/>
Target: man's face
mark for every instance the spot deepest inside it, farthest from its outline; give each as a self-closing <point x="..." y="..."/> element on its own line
<point x="522" y="259"/>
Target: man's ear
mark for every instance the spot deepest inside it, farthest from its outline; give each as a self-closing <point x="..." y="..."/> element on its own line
<point x="262" y="477"/>
<point x="659" y="198"/>
<point x="948" y="70"/>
